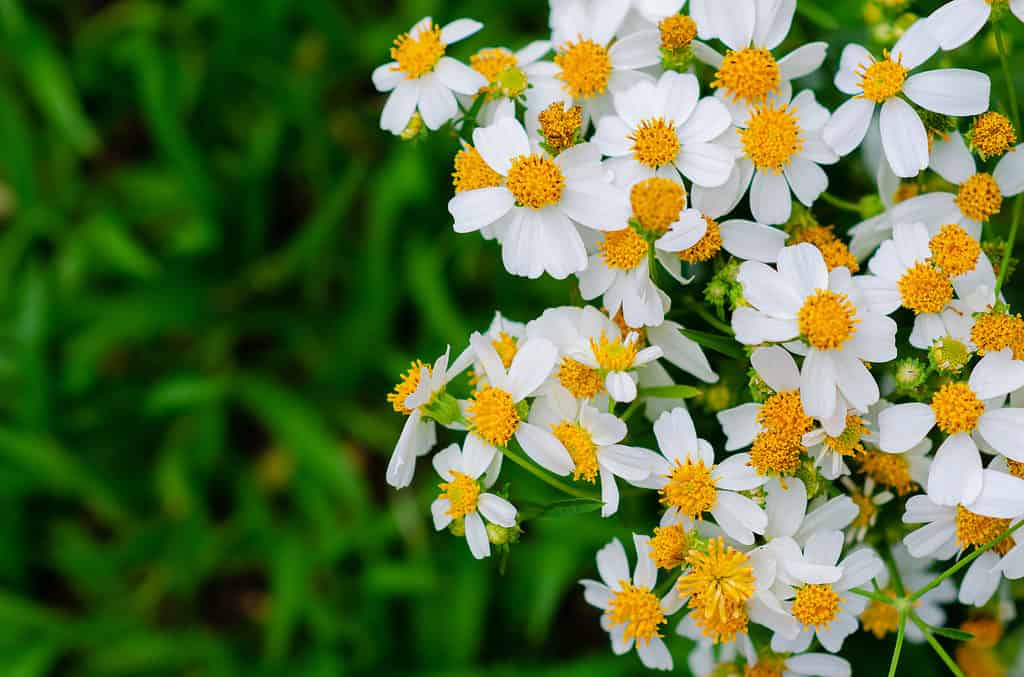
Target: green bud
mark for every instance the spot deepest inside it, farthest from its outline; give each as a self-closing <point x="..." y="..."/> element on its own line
<point x="716" y="292"/>
<point x="811" y="478"/>
<point x="759" y="390"/>
<point x="678" y="60"/>
<point x="948" y="356"/>
<point x="415" y="129"/>
<point x="443" y="408"/>
<point x="512" y="82"/>
<point x="457" y="527"/>
<point x="910" y="373"/>
<point x="523" y="409"/>
<point x="499" y="535"/>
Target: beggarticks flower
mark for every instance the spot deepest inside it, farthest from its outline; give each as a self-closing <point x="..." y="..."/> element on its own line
<point x="958" y="21"/>
<point x="969" y="413"/>
<point x="832" y="451"/>
<point x="504" y="335"/>
<point x="422" y="79"/>
<point x="780" y="145"/>
<point x="539" y="201"/>
<point x="616" y="359"/>
<point x="748" y="74"/>
<point x="463" y="498"/>
<point x="508" y="77"/>
<point x="421" y="397"/>
<point x="691" y="484"/>
<point x="820" y="314"/>
<point x="949" y="91"/>
<point x="633" y="615"/>
<point x="663" y="127"/>
<point x="882" y="619"/>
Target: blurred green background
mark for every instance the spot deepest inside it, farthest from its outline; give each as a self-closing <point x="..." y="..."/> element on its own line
<point x="213" y="266"/>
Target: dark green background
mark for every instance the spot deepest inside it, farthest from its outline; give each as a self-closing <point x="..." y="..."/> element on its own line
<point x="213" y="265"/>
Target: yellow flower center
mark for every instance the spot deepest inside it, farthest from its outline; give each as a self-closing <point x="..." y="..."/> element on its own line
<point x="954" y="250"/>
<point x="718" y="580"/>
<point x="1016" y="468"/>
<point x="417" y="56"/>
<point x="410" y="380"/>
<point x="638" y="609"/>
<point x="655" y="142"/>
<point x="883" y="79"/>
<point x="506" y="347"/>
<point x="690" y="489"/>
<point x="783" y="413"/>
<point x="623" y="249"/>
<point x="462" y="492"/>
<point x="976" y="662"/>
<point x="889" y="470"/>
<point x="579" y="379"/>
<point x="492" y="415"/>
<point x="765" y="667"/>
<point x="775" y="453"/>
<point x="827" y="320"/>
<point x="850" y="441"/>
<point x="748" y="75"/>
<point x="979" y="197"/>
<point x="992" y="134"/>
<point x="868" y="510"/>
<point x="657" y="203"/>
<point x="957" y="409"/>
<point x="585" y="68"/>
<point x="707" y="246"/>
<point x="880" y="618"/>
<point x="925" y="289"/>
<point x="977" y="530"/>
<point x="905" y="191"/>
<point x="722" y="628"/>
<point x="491" y="63"/>
<point x="996" y="331"/>
<point x="987" y="631"/>
<point x="614" y="355"/>
<point x="581" y="448"/>
<point x="816" y="605"/>
<point x="833" y="250"/>
<point x="471" y="172"/>
<point x="677" y="31"/>
<point x="560" y="125"/>
<point x="535" y="181"/>
<point x="772" y="137"/>
<point x="669" y="546"/>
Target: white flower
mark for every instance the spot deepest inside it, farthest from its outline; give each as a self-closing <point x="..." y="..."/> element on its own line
<point x="592" y="439"/>
<point x="632" y="614"/>
<point x="617" y="359"/>
<point x="493" y="413"/>
<point x="822" y="607"/>
<point x="662" y="127"/>
<point x="830" y="449"/>
<point x="748" y="74"/>
<point x="691" y="483"/>
<point x="958" y="21"/>
<point x="788" y="517"/>
<point x="462" y="497"/>
<point x="969" y="413"/>
<point x="422" y="77"/>
<point x="949" y="91"/>
<point x="506" y="69"/>
<point x="504" y="335"/>
<point x="412" y="396"/>
<point x="680" y="350"/>
<point x="541" y="198"/>
<point x="802" y="300"/>
<point x="780" y="146"/>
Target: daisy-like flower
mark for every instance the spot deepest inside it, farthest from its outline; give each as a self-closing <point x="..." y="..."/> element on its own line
<point x="414" y="396"/>
<point x="504" y="335"/>
<point x="821" y="314"/>
<point x="828" y="610"/>
<point x="493" y="413"/>
<point x="539" y="201"/>
<point x="464" y="497"/>
<point x="969" y="413"/>
<point x="1003" y="496"/>
<point x="790" y="520"/>
<point x="706" y="657"/>
<point x="508" y="77"/>
<point x="632" y="612"/>
<point x="881" y="619"/>
<point x="780" y="147"/>
<point x="948" y="91"/>
<point x="748" y="74"/>
<point x="958" y="21"/>
<point x="422" y="78"/>
<point x="592" y="439"/>
<point x="571" y="329"/>
<point x="692" y="484"/>
<point x="662" y="127"/>
<point x="868" y="503"/>
<point x="616" y="359"/>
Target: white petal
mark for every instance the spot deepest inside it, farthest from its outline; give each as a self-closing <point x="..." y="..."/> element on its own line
<point x="544" y="448"/>
<point x="612" y="564"/>
<point x="477" y="455"/>
<point x="677" y="438"/>
<point x="803" y="60"/>
<point x="903" y="426"/>
<point x="475" y="209"/>
<point x="638" y="50"/>
<point x="1002" y="495"/>
<point x="804" y="267"/>
<point x="996" y="374"/>
<point x="785" y="507"/>
<point x="950" y="91"/>
<point x="612" y="136"/>
<point x="769" y="197"/>
<point x="958" y="21"/>
<point x="904" y="139"/>
<point x="859" y="567"/>
<point x="753" y="241"/>
<point x="387" y="77"/>
<point x="955" y="475"/>
<point x="682" y="351"/>
<point x="753" y="327"/>
<point x="706" y="164"/>
<point x="776" y="367"/>
<point x="739" y="425"/>
<point x="774" y="18"/>
<point x="399" y="107"/>
<point x="530" y="367"/>
<point x="596" y="205"/>
<point x="875" y="340"/>
<point x="822" y="664"/>
<point x="824" y="547"/>
<point x="439" y="512"/>
<point x="818" y="384"/>
<point x="684" y="233"/>
<point x="807" y="179"/>
<point x="654" y="654"/>
<point x="476" y="536"/>
<point x="459" y="77"/>
<point x="851" y="60"/>
<point x="981" y="581"/>
<point x="950" y="158"/>
<point x="929" y="538"/>
<point x="736" y="474"/>
<point x="769" y="290"/>
<point x="739" y="517"/>
<point x="497" y="510"/>
<point x="500" y="142"/>
<point x="855" y="382"/>
<point x="732" y="22"/>
<point x="1009" y="173"/>
<point x="621" y="386"/>
<point x="709" y="120"/>
<point x="1004" y="430"/>
<point x="596" y="594"/>
<point x="459" y="29"/>
<point x="915" y="46"/>
<point x="448" y="459"/>
<point x="437" y="104"/>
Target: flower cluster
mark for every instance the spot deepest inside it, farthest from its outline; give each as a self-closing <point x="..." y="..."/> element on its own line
<point x="647" y="151"/>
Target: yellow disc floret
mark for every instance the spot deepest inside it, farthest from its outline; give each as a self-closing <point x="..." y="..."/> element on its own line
<point x="867" y="510"/>
<point x="977" y="530"/>
<point x="992" y="134"/>
<point x="774" y="453"/>
<point x="716" y="578"/>
<point x="677" y="32"/>
<point x="979" y="197"/>
<point x="657" y="202"/>
<point x="623" y="249"/>
<point x="924" y="288"/>
<point x="783" y="413"/>
<point x="772" y="137"/>
<point x="889" y="470"/>
<point x="833" y="250"/>
<point x="954" y="250"/>
<point x="690" y="489"/>
<point x="417" y="56"/>
<point x="816" y="605"/>
<point x="765" y="667"/>
<point x="492" y="415"/>
<point x="655" y="142"/>
<point x="614" y="354"/>
<point x="748" y="75"/>
<point x="669" y="546"/>
<point x="462" y="492"/>
<point x="407" y="386"/>
<point x="506" y="348"/>
<point x="579" y="379"/>
<point x="584" y="68"/>
<point x="638" y="609"/>
<point x="995" y="331"/>
<point x="883" y="79"/>
<point x="560" y="125"/>
<point x="707" y="246"/>
<point x="1016" y="468"/>
<point x="578" y="442"/>
<point x="535" y="181"/>
<point x="827" y="320"/>
<point x="880" y="618"/>
<point x="850" y="442"/>
<point x="491" y="63"/>
<point x="471" y="172"/>
<point x="956" y="407"/>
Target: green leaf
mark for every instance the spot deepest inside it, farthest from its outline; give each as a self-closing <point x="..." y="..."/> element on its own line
<point x="112" y="243"/>
<point x="672" y="392"/>
<point x="952" y="633"/>
<point x="564" y="508"/>
<point x="725" y="345"/>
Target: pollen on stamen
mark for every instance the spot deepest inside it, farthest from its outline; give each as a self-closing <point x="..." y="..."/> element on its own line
<point x="506" y="347"/>
<point x="850" y="442"/>
<point x="707" y="246"/>
<point x="623" y="249"/>
<point x="585" y="67"/>
<point x="407" y="386"/>
<point x="833" y="250"/>
<point x="827" y="320"/>
<point x="979" y="197"/>
<point x="677" y="32"/>
<point x="560" y="125"/>
<point x="614" y="354"/>
<point x="775" y="453"/>
<point x="462" y="492"/>
<point x="655" y="142"/>
<point x="580" y="445"/>
<point x="773" y="137"/>
<point x="669" y="546"/>
<point x="880" y="618"/>
<point x="992" y="134"/>
<point x="816" y="605"/>
<point x="417" y="56"/>
<point x="657" y="203"/>
<point x="535" y="181"/>
<point x="472" y="172"/>
<point x="690" y="489"/>
<point x="881" y="80"/>
<point x="717" y="580"/>
<point x="579" y="379"/>
<point x="977" y="530"/>
<point x="748" y="75"/>
<point x="493" y="416"/>
<point x="924" y="288"/>
<point x="867" y="510"/>
<point x="956" y="407"/>
<point x="995" y="331"/>
<point x="638" y="609"/>
<point x="783" y="413"/>
<point x="954" y="250"/>
<point x="889" y="470"/>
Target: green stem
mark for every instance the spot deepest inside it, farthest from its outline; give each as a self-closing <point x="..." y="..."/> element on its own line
<point x="525" y="464"/>
<point x="950" y="663"/>
<point x="899" y="643"/>
<point x="709" y="317"/>
<point x="1011" y="238"/>
<point x="897" y="580"/>
<point x="632" y="408"/>
<point x="964" y="562"/>
<point x="878" y="597"/>
<point x="840" y="202"/>
<point x="469" y="119"/>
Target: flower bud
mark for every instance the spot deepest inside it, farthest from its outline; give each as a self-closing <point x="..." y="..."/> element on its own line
<point x="948" y="356"/>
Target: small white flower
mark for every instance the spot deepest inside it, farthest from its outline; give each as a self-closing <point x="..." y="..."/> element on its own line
<point x="504" y="68"/>
<point x="632" y="613"/>
<point x="462" y="497"/>
<point x="617" y="359"/>
<point x="958" y="21"/>
<point x="789" y="518"/>
<point x="949" y="91"/>
<point x="504" y="335"/>
<point x="422" y="78"/>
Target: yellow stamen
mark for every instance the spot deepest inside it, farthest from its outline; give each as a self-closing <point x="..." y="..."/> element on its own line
<point x="833" y="250"/>
<point x="577" y="441"/>
<point x="889" y="470"/>
<point x="657" y="203"/>
<point x="560" y="125"/>
<point x="535" y="181"/>
<point x="1016" y="468"/>
<point x="721" y="576"/>
<point x="816" y="605"/>
<point x="783" y="413"/>
<point x="765" y="667"/>
<point x="579" y="379"/>
<point x="585" y="68"/>
<point x="957" y="409"/>
<point x="655" y="142"/>
<point x="722" y="628"/>
<point x="880" y="618"/>
<point x="995" y="331"/>
<point x="992" y="134"/>
<point x="987" y="631"/>
<point x="677" y="31"/>
<point x="954" y="251"/>
<point x="925" y="289"/>
<point x="977" y="530"/>
<point x="638" y="609"/>
<point x="883" y="79"/>
<point x="623" y="249"/>
<point x="827" y="320"/>
<point x="492" y="415"/>
<point x="506" y="348"/>
<point x="979" y="197"/>
<point x="748" y="75"/>
<point x="407" y="386"/>
<point x="850" y="442"/>
<point x="707" y="246"/>
<point x="669" y="546"/>
<point x="491" y="63"/>
<point x="462" y="492"/>
<point x="614" y="355"/>
<point x="471" y="172"/>
<point x="868" y="510"/>
<point x="417" y="56"/>
<point x="772" y="137"/>
<point x="775" y="453"/>
<point x="690" y="489"/>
